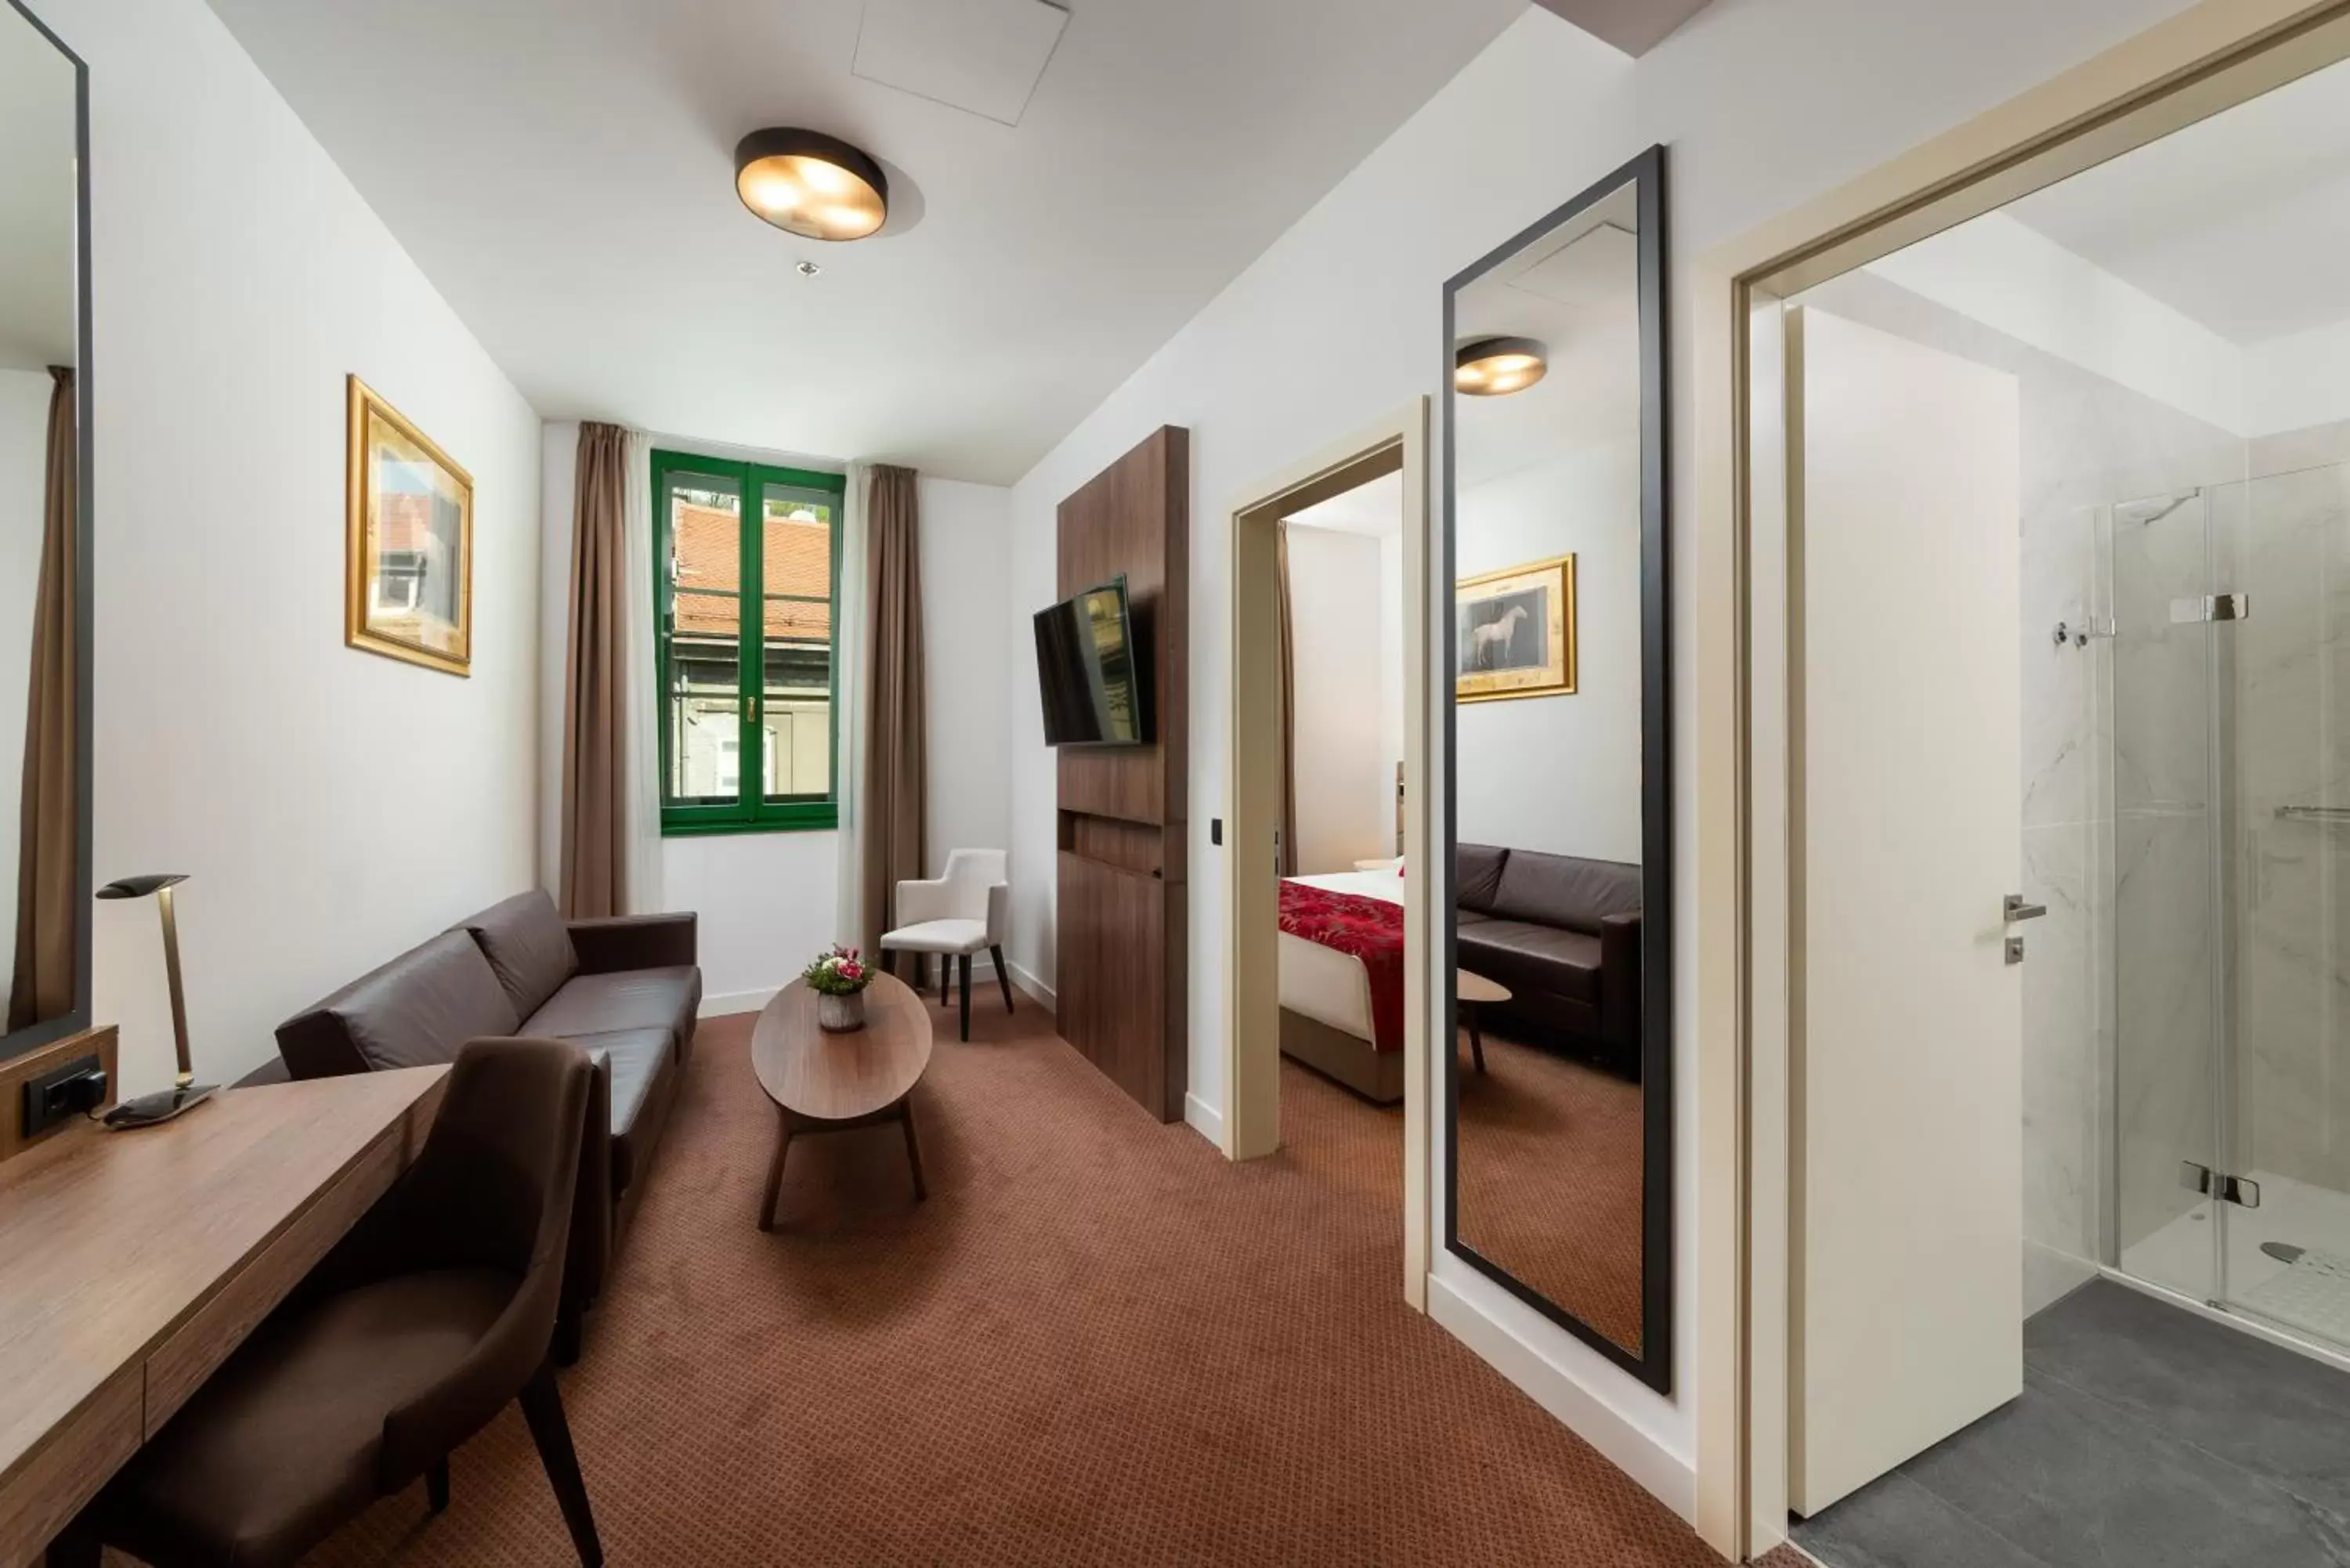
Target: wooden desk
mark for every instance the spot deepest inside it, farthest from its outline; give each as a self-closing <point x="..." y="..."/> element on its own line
<point x="131" y="1263"/>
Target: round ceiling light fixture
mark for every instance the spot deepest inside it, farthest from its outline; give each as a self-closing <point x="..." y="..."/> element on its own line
<point x="810" y="184"/>
<point x="1496" y="366"/>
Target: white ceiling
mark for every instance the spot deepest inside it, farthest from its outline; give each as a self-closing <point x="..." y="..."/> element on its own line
<point x="36" y="199"/>
<point x="1375" y="509"/>
<point x="2241" y="222"/>
<point x="1634" y="26"/>
<point x="564" y="174"/>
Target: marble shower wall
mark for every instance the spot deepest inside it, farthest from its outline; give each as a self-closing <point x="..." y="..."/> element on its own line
<point x="2292" y="553"/>
<point x="2087" y="442"/>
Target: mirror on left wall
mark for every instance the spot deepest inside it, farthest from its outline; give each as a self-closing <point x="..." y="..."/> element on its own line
<point x="45" y="536"/>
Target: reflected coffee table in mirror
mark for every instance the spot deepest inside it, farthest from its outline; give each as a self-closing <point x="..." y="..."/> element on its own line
<point x="1559" y="1149"/>
<point x="44" y="591"/>
<point x="1473" y="993"/>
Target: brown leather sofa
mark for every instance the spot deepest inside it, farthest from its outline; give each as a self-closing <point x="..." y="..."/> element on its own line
<point x="1563" y="935"/>
<point x="624" y="989"/>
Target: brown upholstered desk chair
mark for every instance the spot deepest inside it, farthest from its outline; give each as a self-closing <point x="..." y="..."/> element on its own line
<point x="409" y="1338"/>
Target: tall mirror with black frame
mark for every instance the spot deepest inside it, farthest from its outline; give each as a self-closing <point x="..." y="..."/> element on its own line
<point x="1559" y="1152"/>
<point x="45" y="893"/>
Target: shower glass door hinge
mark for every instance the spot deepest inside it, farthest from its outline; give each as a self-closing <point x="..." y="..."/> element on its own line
<point x="2079" y="632"/>
<point x="2239" y="1190"/>
<point x="2211" y="607"/>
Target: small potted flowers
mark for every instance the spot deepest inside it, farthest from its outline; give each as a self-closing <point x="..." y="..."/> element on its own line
<point x="839" y="978"/>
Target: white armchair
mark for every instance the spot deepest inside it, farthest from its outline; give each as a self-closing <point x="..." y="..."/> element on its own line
<point x="954" y="916"/>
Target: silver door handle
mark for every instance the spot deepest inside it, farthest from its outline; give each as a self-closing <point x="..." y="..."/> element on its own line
<point x="2016" y="909"/>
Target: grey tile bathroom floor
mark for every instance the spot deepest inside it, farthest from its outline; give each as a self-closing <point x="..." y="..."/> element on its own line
<point x="2146" y="1436"/>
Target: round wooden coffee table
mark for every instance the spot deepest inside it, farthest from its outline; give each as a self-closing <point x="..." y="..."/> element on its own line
<point x="1472" y="991"/>
<point x="824" y="1082"/>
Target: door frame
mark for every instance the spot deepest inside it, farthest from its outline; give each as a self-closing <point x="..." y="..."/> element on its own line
<point x="2210" y="58"/>
<point x="1251" y="1034"/>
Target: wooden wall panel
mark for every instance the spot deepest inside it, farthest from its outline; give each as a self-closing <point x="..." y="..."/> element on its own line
<point x="1128" y="846"/>
<point x="1134" y="517"/>
<point x="1124" y="978"/>
<point x="1113" y="994"/>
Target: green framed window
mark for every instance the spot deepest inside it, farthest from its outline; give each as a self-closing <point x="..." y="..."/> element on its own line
<point x="746" y="572"/>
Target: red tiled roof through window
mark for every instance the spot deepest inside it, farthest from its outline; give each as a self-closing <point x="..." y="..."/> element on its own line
<point x="403" y="520"/>
<point x="705" y="543"/>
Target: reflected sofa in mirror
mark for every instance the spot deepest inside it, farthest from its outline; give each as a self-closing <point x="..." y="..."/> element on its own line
<point x="1559" y="1102"/>
<point x="44" y="886"/>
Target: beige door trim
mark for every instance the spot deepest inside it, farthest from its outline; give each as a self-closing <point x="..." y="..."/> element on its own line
<point x="2210" y="56"/>
<point x="1252" y="1119"/>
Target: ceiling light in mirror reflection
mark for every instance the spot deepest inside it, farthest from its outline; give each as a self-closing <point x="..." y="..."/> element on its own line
<point x="1496" y="366"/>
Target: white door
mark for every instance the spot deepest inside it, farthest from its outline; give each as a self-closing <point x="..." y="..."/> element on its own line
<point x="1907" y="1228"/>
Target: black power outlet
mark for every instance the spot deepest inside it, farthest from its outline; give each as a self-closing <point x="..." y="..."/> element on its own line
<point x="75" y="1089"/>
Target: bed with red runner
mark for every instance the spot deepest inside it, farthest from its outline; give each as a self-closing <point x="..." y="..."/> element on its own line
<point x="1342" y="977"/>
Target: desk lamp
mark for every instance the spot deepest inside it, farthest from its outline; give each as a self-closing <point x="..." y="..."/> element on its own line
<point x="185" y="1092"/>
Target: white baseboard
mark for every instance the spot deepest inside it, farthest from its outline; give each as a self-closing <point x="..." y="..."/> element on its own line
<point x="1033" y="986"/>
<point x="721" y="1003"/>
<point x="1203" y="1118"/>
<point x="1665" y="1475"/>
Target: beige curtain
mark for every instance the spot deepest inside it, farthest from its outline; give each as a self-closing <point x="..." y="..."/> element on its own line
<point x="1286" y="862"/>
<point x="49" y="829"/>
<point x="891" y="801"/>
<point x="595" y="675"/>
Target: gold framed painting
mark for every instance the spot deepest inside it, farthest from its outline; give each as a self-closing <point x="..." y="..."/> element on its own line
<point x="409" y="542"/>
<point x="1515" y="631"/>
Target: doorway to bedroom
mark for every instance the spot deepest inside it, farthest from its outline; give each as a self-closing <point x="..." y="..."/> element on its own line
<point x="1325" y="1052"/>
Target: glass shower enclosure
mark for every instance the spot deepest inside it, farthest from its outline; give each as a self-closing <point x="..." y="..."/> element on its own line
<point x="2226" y="711"/>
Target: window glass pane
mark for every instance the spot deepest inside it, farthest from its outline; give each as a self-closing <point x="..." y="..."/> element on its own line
<point x="704" y="630"/>
<point x="796" y="709"/>
<point x="705" y="532"/>
<point x="795" y="715"/>
<point x="705" y="724"/>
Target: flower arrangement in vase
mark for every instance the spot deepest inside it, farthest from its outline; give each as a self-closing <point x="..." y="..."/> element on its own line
<point x="839" y="978"/>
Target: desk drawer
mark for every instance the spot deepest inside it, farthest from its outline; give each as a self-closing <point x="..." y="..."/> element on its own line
<point x="191" y="1351"/>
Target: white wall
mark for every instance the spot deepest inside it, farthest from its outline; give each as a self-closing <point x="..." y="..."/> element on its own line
<point x="23" y="491"/>
<point x="968" y="645"/>
<point x="768" y="901"/>
<point x="333" y="806"/>
<point x="2297" y="381"/>
<point x="1561" y="774"/>
<point x="1391" y="684"/>
<point x="1344" y="777"/>
<point x="1766" y="103"/>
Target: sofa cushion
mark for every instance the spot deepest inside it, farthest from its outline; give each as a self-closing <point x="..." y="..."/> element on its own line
<point x="526" y="944"/>
<point x="1476" y="873"/>
<point x="414" y="1011"/>
<point x="638" y="1060"/>
<point x="631" y="999"/>
<point x="1526" y="957"/>
<point x="1562" y="890"/>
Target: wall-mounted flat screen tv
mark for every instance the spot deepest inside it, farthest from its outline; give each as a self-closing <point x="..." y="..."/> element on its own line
<point x="1090" y="670"/>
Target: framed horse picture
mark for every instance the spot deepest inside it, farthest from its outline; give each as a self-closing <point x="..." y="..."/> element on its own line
<point x="1516" y="632"/>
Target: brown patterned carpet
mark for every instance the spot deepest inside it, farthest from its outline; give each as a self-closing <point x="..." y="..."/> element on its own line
<point x="1098" y="1342"/>
<point x="1550" y="1180"/>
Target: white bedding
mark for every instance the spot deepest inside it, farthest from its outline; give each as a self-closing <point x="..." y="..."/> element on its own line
<point x="1324" y="983"/>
